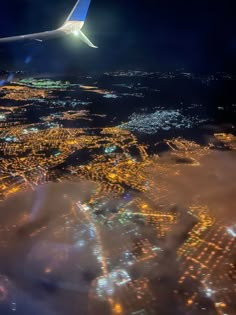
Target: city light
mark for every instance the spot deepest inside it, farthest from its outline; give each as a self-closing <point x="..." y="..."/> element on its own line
<point x="127" y="227"/>
<point x="231" y="232"/>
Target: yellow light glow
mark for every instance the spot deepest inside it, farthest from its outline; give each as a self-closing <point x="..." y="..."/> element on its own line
<point x="118" y="308"/>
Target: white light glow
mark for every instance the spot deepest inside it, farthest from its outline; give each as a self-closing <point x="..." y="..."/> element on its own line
<point x="76" y="33"/>
<point x="231" y="232"/>
<point x="209" y="292"/>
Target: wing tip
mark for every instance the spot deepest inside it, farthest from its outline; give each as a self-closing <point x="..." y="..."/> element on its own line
<point x="87" y="41"/>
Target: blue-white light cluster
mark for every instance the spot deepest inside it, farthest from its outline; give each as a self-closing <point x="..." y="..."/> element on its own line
<point x="150" y="123"/>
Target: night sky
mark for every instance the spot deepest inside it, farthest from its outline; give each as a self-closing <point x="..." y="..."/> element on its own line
<point x="151" y="35"/>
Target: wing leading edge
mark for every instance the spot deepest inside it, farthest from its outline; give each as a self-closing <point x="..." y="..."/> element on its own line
<point x="36" y="36"/>
<point x="72" y="25"/>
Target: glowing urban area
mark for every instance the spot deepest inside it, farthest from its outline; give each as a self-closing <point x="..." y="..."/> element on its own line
<point x="97" y="207"/>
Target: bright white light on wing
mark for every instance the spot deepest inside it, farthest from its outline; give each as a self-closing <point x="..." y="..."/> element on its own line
<point x="76" y="33"/>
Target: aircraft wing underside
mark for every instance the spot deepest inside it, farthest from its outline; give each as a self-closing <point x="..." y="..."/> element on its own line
<point x="37" y="36"/>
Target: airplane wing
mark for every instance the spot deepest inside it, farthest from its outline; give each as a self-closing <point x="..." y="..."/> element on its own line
<point x="40" y="37"/>
<point x="72" y="25"/>
<point x="86" y="40"/>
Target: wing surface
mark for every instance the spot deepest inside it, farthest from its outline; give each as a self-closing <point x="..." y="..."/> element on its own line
<point x="36" y="36"/>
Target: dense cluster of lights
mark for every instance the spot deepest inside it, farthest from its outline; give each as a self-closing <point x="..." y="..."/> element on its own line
<point x="41" y="152"/>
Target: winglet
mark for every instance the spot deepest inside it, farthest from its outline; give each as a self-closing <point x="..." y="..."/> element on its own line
<point x="79" y="11"/>
<point x="86" y="40"/>
<point x="75" y="21"/>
